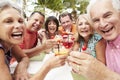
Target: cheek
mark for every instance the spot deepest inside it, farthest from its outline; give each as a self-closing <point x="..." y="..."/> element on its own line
<point x="48" y="26"/>
<point x="40" y="26"/>
<point x="63" y="25"/>
<point x="88" y="27"/>
<point x="78" y="28"/>
<point x="24" y="26"/>
<point x="70" y="23"/>
<point x="4" y="33"/>
<point x="95" y="27"/>
<point x="55" y="26"/>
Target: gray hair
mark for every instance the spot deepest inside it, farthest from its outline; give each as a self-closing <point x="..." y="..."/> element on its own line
<point x="9" y="4"/>
<point x="115" y="3"/>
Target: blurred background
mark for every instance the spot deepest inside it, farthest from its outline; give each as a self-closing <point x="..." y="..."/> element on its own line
<point x="53" y="7"/>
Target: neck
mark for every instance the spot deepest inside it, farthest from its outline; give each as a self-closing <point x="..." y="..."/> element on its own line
<point x="86" y="39"/>
<point x="6" y="46"/>
<point x="68" y="29"/>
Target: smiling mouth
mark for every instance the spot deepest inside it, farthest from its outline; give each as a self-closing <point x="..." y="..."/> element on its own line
<point x="52" y="28"/>
<point x="17" y="35"/>
<point x="84" y="31"/>
<point x="107" y="30"/>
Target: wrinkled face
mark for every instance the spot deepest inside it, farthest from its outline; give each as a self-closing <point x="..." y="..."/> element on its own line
<point x="52" y="26"/>
<point x="11" y="26"/>
<point x="83" y="28"/>
<point x="66" y="22"/>
<point x="106" y="20"/>
<point x="35" y="22"/>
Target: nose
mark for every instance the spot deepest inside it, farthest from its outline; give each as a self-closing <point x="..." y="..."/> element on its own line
<point x="66" y="24"/>
<point x="19" y="25"/>
<point x="102" y="23"/>
<point x="83" y="25"/>
<point x="38" y="23"/>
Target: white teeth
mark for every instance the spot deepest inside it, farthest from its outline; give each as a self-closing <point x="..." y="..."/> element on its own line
<point x="17" y="33"/>
<point x="84" y="31"/>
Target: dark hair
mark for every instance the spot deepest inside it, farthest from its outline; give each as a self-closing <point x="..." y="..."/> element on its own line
<point x="65" y="14"/>
<point x="38" y="13"/>
<point x="51" y="18"/>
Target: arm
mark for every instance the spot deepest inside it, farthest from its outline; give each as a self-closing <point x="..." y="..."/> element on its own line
<point x="40" y="48"/>
<point x="23" y="62"/>
<point x="42" y="38"/>
<point x="110" y="75"/>
<point x="52" y="62"/>
<point x="90" y="67"/>
<point x="3" y="67"/>
<point x="100" y="50"/>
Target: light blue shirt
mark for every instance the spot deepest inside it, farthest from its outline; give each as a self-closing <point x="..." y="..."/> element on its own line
<point x="92" y="43"/>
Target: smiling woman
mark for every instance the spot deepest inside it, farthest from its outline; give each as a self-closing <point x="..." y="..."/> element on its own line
<point x="12" y="31"/>
<point x="51" y="28"/>
<point x="13" y="27"/>
<point x="86" y="37"/>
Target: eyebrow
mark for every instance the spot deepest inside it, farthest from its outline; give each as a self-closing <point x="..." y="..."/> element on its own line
<point x="108" y="12"/>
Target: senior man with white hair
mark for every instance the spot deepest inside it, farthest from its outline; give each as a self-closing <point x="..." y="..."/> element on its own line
<point x="105" y="16"/>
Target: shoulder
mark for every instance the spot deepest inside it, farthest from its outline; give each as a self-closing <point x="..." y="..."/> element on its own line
<point x="1" y="48"/>
<point x="2" y="52"/>
<point x="97" y="37"/>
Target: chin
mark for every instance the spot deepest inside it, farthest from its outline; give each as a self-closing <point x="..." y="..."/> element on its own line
<point x="17" y="42"/>
<point x="110" y="38"/>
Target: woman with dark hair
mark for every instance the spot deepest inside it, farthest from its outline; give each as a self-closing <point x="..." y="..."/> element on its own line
<point x="51" y="29"/>
<point x="51" y="26"/>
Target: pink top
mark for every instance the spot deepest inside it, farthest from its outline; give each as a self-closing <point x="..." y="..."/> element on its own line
<point x="113" y="55"/>
<point x="30" y="40"/>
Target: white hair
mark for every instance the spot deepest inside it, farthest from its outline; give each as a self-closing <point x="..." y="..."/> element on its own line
<point x="6" y="3"/>
<point x="115" y="3"/>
